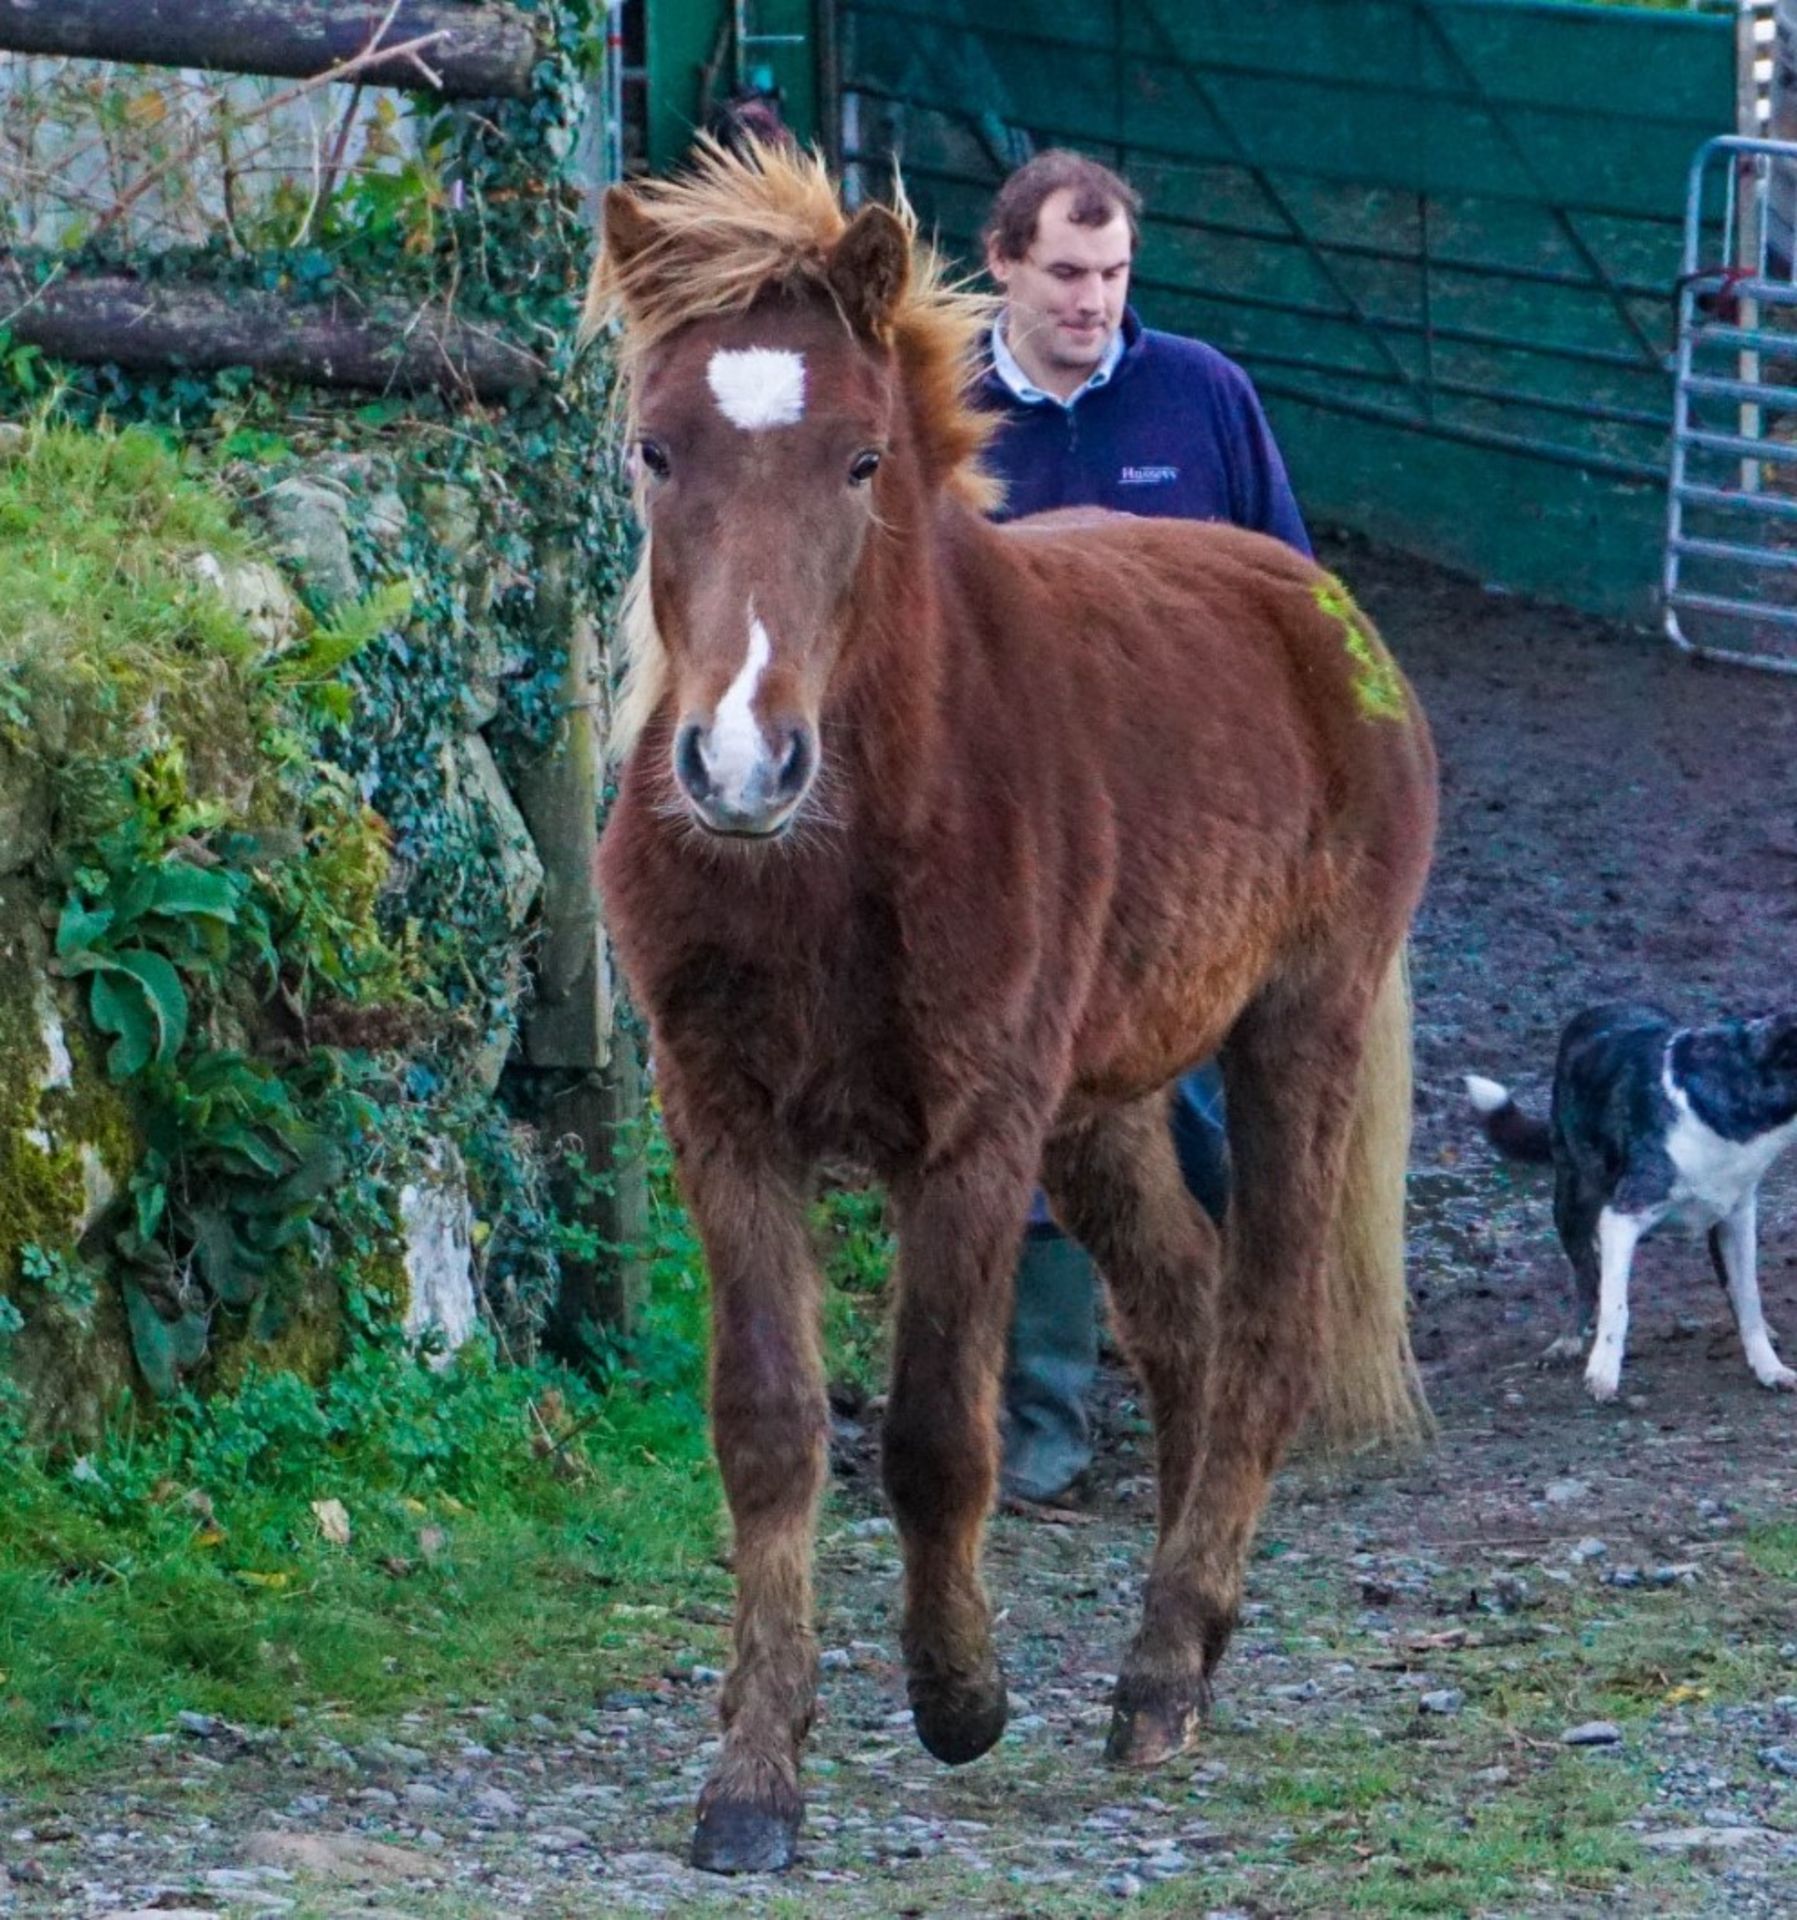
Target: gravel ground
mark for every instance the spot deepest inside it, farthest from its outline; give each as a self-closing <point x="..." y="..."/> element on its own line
<point x="1419" y="1643"/>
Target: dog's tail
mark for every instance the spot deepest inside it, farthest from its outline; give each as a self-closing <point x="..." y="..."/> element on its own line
<point x="1515" y="1134"/>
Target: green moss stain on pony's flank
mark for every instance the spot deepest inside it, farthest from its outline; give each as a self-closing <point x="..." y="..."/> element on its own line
<point x="1378" y="687"/>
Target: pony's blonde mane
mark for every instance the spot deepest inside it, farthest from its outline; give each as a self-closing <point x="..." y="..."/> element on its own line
<point x="730" y="228"/>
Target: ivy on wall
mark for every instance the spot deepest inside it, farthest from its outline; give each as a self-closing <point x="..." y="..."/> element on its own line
<point x="263" y="1145"/>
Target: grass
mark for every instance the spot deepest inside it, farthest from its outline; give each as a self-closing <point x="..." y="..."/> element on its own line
<point x="512" y="1530"/>
<point x="496" y="1517"/>
<point x="99" y="597"/>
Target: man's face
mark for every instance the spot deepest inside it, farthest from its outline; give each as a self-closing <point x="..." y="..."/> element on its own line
<point x="1064" y="298"/>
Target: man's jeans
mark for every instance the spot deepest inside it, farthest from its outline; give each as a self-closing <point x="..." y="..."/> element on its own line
<point x="1053" y="1348"/>
<point x="1198" y="1135"/>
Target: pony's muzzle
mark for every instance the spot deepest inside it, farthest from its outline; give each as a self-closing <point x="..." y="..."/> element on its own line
<point x="749" y="794"/>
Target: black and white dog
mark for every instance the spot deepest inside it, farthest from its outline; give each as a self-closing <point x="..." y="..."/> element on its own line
<point x="1655" y="1122"/>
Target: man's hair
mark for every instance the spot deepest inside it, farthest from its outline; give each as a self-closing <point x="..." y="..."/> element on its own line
<point x="1098" y="196"/>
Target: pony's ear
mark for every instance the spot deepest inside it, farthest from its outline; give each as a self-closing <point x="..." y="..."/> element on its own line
<point x="626" y="232"/>
<point x="870" y="270"/>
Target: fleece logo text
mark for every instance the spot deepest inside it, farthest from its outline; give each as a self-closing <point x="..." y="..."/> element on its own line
<point x="1147" y="476"/>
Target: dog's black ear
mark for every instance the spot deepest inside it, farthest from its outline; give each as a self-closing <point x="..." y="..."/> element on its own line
<point x="1780" y="1049"/>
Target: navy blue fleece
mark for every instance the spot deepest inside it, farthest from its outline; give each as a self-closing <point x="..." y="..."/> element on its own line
<point x="1177" y="432"/>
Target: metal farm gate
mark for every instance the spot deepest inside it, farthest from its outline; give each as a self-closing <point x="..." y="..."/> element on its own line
<point x="1443" y="235"/>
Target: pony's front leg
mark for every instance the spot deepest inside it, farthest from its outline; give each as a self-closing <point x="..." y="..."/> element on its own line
<point x="770" y="1423"/>
<point x="959" y="1228"/>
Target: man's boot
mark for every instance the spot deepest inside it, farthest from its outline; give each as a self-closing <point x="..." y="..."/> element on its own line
<point x="1049" y="1367"/>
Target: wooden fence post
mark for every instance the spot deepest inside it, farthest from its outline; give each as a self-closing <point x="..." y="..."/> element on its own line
<point x="582" y="1058"/>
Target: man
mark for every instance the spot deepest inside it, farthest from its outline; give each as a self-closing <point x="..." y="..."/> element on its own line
<point x="1099" y="410"/>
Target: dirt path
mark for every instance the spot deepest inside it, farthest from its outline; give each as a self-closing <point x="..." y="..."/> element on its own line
<point x="1389" y="1736"/>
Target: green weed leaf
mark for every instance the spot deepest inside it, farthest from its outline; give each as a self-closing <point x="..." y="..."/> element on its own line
<point x="185" y="889"/>
<point x="165" y="994"/>
<point x="118" y="1005"/>
<point x="80" y="926"/>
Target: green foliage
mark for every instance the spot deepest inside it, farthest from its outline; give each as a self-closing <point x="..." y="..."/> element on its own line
<point x="66" y="1280"/>
<point x="196" y="924"/>
<point x="184" y="1567"/>
<point x="857" y="1246"/>
<point x="344" y="880"/>
<point x="318" y="664"/>
<point x="96" y="533"/>
<point x="137" y="918"/>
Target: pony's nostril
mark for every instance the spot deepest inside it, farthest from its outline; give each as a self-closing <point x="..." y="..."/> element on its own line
<point x="795" y="763"/>
<point x="689" y="762"/>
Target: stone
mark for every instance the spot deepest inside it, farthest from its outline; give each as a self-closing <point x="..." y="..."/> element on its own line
<point x="1560" y="1493"/>
<point x="256" y="593"/>
<point x="161" y="1913"/>
<point x="453" y="516"/>
<point x="1693" y="1839"/>
<point x="1780" y="1760"/>
<point x="437" y="1225"/>
<point x="24" y="809"/>
<point x="348" y="1858"/>
<point x="1442" y="1700"/>
<point x="1508" y="1592"/>
<point x="1592" y="1733"/>
<point x="1589" y="1549"/>
<point x="477" y="783"/>
<point x="307" y="524"/>
<point x="370" y="479"/>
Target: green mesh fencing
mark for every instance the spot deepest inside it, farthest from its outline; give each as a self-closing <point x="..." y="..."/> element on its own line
<point x="1442" y="235"/>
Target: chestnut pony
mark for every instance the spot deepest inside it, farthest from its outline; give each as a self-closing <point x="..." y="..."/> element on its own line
<point x="941" y="848"/>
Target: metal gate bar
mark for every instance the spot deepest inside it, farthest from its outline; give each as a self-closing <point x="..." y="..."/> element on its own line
<point x="1737" y="296"/>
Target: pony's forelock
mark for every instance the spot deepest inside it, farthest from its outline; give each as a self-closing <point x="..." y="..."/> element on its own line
<point x="737" y="224"/>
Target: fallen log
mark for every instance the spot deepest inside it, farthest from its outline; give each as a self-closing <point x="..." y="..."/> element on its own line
<point x="153" y="326"/>
<point x="474" y="50"/>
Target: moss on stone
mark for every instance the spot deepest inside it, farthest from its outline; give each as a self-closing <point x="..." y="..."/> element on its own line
<point x="73" y="1365"/>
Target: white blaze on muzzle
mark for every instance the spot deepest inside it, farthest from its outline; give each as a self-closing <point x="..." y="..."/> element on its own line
<point x="757" y="387"/>
<point x="734" y="750"/>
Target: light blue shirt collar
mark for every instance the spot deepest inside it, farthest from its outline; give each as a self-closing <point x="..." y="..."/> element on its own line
<point x="1005" y="364"/>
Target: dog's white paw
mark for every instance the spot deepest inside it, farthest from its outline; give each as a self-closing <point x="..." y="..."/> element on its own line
<point x="1602" y="1382"/>
<point x="1777" y="1377"/>
<point x="1569" y="1347"/>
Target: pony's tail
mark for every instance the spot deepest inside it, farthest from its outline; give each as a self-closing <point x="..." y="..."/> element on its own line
<point x="1371" y="1390"/>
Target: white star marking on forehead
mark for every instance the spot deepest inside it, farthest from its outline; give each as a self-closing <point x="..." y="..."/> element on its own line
<point x="758" y="386"/>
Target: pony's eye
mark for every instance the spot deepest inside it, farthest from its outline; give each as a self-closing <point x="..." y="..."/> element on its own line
<point x="654" y="458"/>
<point x="863" y="467"/>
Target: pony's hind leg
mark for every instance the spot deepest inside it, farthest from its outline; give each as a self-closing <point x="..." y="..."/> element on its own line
<point x="1115" y="1182"/>
<point x="770" y="1423"/>
<point x="959" y="1228"/>
<point x="1290" y="1067"/>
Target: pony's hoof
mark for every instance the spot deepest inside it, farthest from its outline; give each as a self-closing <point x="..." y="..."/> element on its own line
<point x="737" y="1836"/>
<point x="957" y="1723"/>
<point x="1149" y="1728"/>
